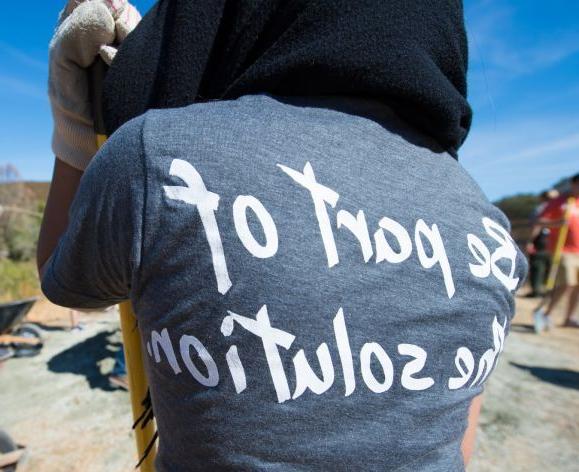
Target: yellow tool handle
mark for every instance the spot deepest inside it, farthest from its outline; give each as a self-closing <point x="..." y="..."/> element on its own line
<point x="561" y="239"/>
<point x="138" y="386"/>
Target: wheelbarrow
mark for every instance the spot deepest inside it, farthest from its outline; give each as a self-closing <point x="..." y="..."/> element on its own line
<point x="18" y="339"/>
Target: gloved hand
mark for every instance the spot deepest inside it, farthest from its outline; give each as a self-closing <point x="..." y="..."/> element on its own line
<point x="85" y="30"/>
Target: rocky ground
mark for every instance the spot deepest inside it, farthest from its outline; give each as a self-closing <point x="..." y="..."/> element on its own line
<point x="530" y="417"/>
<point x="61" y="406"/>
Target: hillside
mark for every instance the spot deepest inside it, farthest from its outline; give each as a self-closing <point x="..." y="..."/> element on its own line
<point x="38" y="190"/>
<point x="33" y="192"/>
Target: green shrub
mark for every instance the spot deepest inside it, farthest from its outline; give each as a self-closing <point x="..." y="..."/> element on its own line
<point x="18" y="280"/>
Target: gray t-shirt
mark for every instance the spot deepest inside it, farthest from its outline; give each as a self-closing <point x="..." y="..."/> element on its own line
<point x="316" y="287"/>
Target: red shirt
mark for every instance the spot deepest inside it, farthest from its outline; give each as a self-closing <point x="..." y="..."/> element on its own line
<point x="554" y="211"/>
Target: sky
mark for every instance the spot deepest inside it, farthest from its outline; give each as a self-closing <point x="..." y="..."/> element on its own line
<point x="523" y="88"/>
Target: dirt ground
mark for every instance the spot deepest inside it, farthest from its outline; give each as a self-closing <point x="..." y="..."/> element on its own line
<point x="530" y="417"/>
<point x="61" y="406"/>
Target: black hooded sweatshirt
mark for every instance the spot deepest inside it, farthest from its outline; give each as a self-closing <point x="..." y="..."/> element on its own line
<point x="409" y="55"/>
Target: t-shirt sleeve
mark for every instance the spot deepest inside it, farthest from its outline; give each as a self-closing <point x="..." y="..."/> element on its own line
<point x="96" y="259"/>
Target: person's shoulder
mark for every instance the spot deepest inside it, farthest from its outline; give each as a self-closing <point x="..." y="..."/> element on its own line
<point x="559" y="201"/>
<point x="127" y="135"/>
<point x="454" y="178"/>
<point x="214" y="125"/>
<point x="555" y="204"/>
<point x="122" y="154"/>
<point x="553" y="209"/>
<point x="208" y="113"/>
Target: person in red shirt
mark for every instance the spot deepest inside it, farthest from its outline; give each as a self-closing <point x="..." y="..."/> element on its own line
<point x="568" y="276"/>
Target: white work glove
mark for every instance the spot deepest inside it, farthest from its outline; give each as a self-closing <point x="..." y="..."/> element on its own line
<point x="86" y="29"/>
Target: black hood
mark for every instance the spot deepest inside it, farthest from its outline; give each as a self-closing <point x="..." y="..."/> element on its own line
<point x="408" y="54"/>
